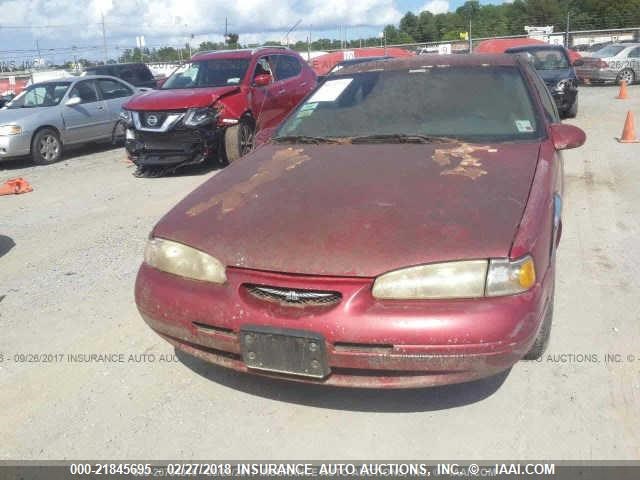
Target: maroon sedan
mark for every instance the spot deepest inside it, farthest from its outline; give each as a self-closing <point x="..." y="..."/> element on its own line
<point x="399" y="230"/>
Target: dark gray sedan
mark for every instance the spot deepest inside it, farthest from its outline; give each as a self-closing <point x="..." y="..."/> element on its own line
<point x="50" y="115"/>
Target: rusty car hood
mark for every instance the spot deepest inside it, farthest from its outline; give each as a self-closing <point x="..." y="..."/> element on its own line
<point x="178" y="99"/>
<point x="358" y="210"/>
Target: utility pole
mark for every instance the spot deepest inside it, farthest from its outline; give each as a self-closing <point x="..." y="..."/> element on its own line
<point x="470" y="41"/>
<point x="566" y="35"/>
<point x="104" y="39"/>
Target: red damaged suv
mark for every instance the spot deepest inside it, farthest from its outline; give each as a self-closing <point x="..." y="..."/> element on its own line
<point x="213" y="106"/>
<point x="399" y="230"/>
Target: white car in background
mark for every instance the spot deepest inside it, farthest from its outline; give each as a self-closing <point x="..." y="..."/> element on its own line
<point x="48" y="116"/>
<point x="613" y="63"/>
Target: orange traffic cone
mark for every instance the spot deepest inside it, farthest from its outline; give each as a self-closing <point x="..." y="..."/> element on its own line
<point x="629" y="130"/>
<point x="15" y="186"/>
<point x="622" y="95"/>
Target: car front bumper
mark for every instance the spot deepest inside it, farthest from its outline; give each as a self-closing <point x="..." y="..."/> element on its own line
<point x="564" y="99"/>
<point x="14" y="145"/>
<point x="169" y="149"/>
<point x="368" y="343"/>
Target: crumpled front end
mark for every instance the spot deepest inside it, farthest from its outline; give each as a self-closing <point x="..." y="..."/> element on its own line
<point x="161" y="142"/>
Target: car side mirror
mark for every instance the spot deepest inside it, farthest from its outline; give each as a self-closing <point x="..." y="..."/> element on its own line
<point x="262" y="80"/>
<point x="566" y="136"/>
<point x="73" y="101"/>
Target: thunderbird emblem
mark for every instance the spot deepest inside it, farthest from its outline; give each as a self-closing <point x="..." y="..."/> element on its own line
<point x="292" y="296"/>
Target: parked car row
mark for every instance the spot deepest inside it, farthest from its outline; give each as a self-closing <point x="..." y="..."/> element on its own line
<point x="210" y="108"/>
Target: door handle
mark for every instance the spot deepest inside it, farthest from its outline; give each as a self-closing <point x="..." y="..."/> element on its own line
<point x="303" y="84"/>
<point x="280" y="92"/>
<point x="100" y="107"/>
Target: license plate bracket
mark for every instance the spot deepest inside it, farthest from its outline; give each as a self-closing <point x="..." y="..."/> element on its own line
<point x="294" y="352"/>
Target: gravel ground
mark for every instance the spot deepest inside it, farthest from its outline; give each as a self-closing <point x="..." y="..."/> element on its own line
<point x="69" y="253"/>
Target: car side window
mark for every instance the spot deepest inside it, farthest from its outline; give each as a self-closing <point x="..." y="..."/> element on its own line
<point x="635" y="53"/>
<point x="287" y="67"/>
<point x="113" y="89"/>
<point x="262" y="66"/>
<point x="547" y="100"/>
<point x="86" y="91"/>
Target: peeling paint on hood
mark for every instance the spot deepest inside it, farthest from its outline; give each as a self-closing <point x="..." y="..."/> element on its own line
<point x="468" y="165"/>
<point x="281" y="161"/>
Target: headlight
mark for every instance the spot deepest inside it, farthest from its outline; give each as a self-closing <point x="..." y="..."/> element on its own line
<point x="562" y="85"/>
<point x="440" y="280"/>
<point x="10" y="130"/>
<point x="196" y="117"/>
<point x="127" y="117"/>
<point x="179" y="259"/>
<point x="464" y="279"/>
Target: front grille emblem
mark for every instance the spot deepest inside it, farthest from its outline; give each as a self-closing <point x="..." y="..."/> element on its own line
<point x="152" y="120"/>
<point x="288" y="296"/>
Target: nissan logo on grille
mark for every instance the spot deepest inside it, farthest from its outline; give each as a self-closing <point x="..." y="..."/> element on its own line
<point x="152" y="120"/>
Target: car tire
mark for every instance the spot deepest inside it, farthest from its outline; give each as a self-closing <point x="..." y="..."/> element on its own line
<point x="542" y="339"/>
<point x="119" y="134"/>
<point x="46" y="147"/>
<point x="238" y="141"/>
<point x="572" y="112"/>
<point x="628" y="75"/>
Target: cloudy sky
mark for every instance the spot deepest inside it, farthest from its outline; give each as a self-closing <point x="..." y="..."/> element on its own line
<point x="53" y="25"/>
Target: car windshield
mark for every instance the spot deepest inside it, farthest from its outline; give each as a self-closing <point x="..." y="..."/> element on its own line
<point x="41" y="95"/>
<point x="473" y="103"/>
<point x="547" y="59"/>
<point x="608" y="51"/>
<point x="208" y="73"/>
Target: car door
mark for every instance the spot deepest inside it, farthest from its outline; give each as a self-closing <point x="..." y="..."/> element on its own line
<point x="114" y="93"/>
<point x="264" y="100"/>
<point x="290" y="85"/>
<point x="89" y="119"/>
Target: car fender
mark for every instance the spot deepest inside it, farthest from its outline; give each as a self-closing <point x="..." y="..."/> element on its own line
<point x="233" y="107"/>
<point x="534" y="234"/>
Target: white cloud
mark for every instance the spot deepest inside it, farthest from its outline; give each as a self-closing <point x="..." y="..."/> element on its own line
<point x="436" y="6"/>
<point x="177" y="18"/>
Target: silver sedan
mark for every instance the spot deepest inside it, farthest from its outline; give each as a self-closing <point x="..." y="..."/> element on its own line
<point x="48" y="116"/>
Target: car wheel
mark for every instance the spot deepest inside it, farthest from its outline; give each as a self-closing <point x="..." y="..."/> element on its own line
<point x="542" y="339"/>
<point x="627" y="75"/>
<point x="238" y="141"/>
<point x="119" y="134"/>
<point x="46" y="147"/>
<point x="572" y="112"/>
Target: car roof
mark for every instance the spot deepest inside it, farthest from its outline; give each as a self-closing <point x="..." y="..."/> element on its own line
<point x="84" y="77"/>
<point x="353" y="61"/>
<point x="428" y="61"/>
<point x="623" y="45"/>
<point x="242" y="53"/>
<point x="526" y="48"/>
<point x="109" y="65"/>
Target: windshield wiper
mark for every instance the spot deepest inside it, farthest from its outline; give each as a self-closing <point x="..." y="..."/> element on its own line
<point x="305" y="139"/>
<point x="401" y="138"/>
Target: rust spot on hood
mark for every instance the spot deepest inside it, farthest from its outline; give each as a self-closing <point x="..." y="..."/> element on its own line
<point x="281" y="162"/>
<point x="468" y="165"/>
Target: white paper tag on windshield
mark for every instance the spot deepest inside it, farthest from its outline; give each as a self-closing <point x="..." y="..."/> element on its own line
<point x="524" y="126"/>
<point x="330" y="90"/>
